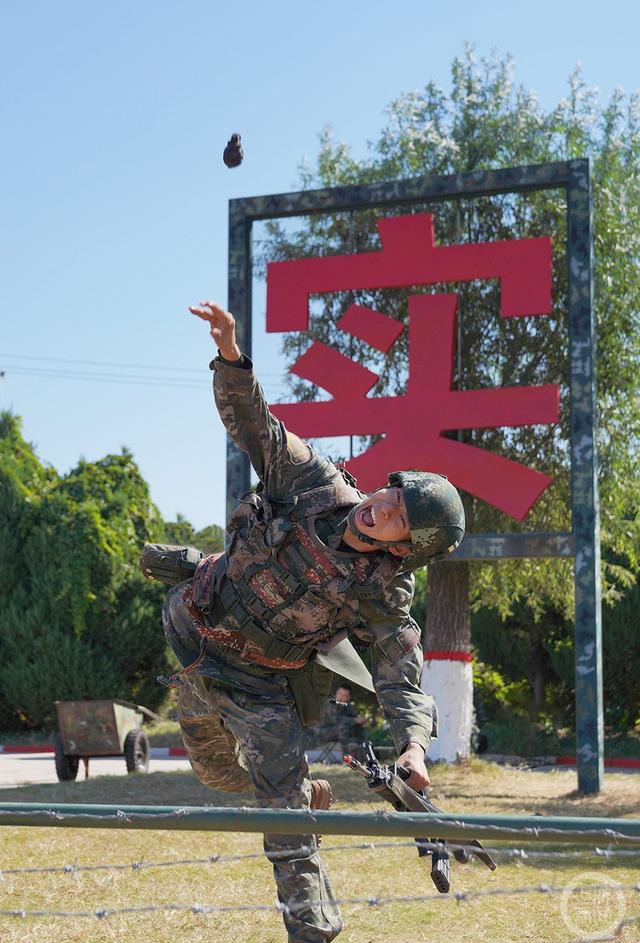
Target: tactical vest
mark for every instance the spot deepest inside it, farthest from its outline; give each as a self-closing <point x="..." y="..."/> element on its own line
<point x="279" y="586"/>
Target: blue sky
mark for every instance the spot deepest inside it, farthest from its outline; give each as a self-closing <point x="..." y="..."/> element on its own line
<point x="114" y="196"/>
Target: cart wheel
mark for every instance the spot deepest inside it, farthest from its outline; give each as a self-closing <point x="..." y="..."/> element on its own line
<point x="136" y="752"/>
<point x="66" y="766"/>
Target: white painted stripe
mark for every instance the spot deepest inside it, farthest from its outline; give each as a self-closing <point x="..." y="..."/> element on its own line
<point x="450" y="683"/>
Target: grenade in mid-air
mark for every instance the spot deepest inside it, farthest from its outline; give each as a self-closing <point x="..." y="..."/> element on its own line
<point x="233" y="152"/>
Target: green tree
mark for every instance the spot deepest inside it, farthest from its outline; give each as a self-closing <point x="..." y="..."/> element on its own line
<point x="535" y="659"/>
<point x="210" y="539"/>
<point x="78" y="619"/>
<point x="486" y="122"/>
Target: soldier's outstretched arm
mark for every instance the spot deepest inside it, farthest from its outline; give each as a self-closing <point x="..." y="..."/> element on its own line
<point x="396" y="665"/>
<point x="280" y="458"/>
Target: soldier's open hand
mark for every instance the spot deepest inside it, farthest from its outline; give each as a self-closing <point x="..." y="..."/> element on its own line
<point x="222" y="327"/>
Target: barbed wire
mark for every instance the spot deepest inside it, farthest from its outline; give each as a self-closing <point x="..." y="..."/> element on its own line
<point x="627" y="922"/>
<point x="457" y="897"/>
<point x="520" y="854"/>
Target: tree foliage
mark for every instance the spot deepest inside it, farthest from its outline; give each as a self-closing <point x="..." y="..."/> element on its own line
<point x="484" y="122"/>
<point x="210" y="539"/>
<point x="78" y="619"/>
<point x="526" y="667"/>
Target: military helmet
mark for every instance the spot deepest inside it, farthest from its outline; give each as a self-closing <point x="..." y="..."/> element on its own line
<point x="435" y="512"/>
<point x="436" y="518"/>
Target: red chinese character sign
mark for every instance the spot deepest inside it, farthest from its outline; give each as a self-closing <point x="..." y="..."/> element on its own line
<point x="412" y="425"/>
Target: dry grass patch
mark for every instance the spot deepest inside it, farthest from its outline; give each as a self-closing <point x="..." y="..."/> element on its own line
<point x="381" y="872"/>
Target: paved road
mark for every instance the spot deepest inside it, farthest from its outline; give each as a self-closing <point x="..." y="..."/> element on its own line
<point x="21" y="769"/>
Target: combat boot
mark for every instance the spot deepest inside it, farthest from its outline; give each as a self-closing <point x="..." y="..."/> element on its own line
<point x="321" y="798"/>
<point x="321" y="795"/>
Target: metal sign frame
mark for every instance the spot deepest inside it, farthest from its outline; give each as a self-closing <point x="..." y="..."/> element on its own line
<point x="583" y="541"/>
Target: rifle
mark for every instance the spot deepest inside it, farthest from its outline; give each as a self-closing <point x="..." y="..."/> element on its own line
<point x="389" y="782"/>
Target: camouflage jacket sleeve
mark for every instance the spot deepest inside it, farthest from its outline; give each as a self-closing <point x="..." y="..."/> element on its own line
<point x="396" y="664"/>
<point x="284" y="463"/>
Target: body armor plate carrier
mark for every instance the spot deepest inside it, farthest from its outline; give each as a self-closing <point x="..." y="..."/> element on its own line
<point x="283" y="588"/>
<point x="279" y="594"/>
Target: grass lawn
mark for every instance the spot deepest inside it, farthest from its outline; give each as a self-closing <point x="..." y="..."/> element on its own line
<point x="382" y="872"/>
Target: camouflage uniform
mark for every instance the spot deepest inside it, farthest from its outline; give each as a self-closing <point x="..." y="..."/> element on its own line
<point x="238" y="717"/>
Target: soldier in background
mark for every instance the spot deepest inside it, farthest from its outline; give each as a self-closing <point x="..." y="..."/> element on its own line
<point x="341" y="722"/>
<point x="310" y="560"/>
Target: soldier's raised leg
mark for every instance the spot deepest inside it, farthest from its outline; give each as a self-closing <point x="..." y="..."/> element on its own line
<point x="212" y="749"/>
<point x="269" y="736"/>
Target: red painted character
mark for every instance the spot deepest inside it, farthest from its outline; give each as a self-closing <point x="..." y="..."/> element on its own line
<point x="410" y="258"/>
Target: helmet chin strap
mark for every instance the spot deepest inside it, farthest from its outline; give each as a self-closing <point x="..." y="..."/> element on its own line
<point x="367" y="539"/>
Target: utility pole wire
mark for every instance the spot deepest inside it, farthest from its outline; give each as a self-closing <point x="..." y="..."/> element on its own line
<point x="169" y="382"/>
<point x="100" y="363"/>
<point x="124" y="366"/>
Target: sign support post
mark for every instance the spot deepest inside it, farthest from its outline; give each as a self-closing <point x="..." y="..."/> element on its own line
<point x="583" y="542"/>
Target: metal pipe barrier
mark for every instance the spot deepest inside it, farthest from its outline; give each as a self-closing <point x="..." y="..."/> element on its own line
<point x="530" y="828"/>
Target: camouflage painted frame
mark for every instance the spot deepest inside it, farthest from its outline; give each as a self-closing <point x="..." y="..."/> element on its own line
<point x="583" y="542"/>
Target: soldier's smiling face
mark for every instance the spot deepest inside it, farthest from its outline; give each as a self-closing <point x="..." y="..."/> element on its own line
<point x="383" y="516"/>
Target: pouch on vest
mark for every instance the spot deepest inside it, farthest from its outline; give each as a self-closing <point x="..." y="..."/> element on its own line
<point x="310" y="686"/>
<point x="169" y="563"/>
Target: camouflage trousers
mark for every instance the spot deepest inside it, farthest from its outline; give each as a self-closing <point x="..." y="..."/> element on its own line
<point x="240" y="741"/>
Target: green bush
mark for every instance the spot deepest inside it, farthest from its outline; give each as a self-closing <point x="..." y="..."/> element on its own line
<point x="520" y="657"/>
<point x="517" y="735"/>
<point x="210" y="539"/>
<point x="78" y="619"/>
<point x="500" y="697"/>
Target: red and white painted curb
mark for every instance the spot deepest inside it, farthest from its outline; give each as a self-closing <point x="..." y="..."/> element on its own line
<point x="167" y="751"/>
<point x="27" y="748"/>
<point x="622" y="762"/>
<point x="154" y="752"/>
<point x="159" y="752"/>
<point x="533" y="762"/>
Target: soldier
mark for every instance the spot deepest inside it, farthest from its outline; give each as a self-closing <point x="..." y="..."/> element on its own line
<point x="341" y="721"/>
<point x="310" y="561"/>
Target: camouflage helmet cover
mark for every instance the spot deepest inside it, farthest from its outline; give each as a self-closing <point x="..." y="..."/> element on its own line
<point x="435" y="512"/>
